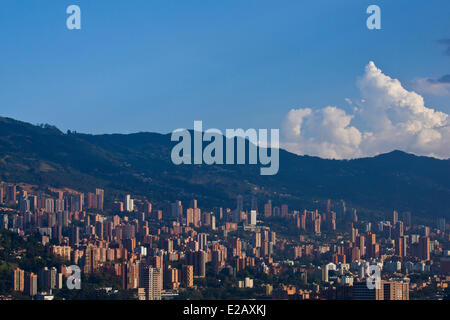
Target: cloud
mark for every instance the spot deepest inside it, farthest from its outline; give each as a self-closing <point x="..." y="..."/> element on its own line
<point x="440" y="86"/>
<point x="388" y="117"/>
<point x="325" y="132"/>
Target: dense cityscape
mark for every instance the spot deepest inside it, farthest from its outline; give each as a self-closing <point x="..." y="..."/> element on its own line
<point x="131" y="249"/>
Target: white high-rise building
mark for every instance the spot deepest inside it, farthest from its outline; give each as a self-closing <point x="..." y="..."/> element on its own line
<point x="213" y="222"/>
<point x="253" y="214"/>
<point x="129" y="203"/>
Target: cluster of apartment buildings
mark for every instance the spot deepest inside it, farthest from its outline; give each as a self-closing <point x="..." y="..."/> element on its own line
<point x="154" y="251"/>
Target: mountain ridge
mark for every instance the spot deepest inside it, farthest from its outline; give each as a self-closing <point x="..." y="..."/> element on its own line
<point x="139" y="163"/>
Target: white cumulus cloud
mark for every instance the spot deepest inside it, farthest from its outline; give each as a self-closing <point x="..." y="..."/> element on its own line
<point x="389" y="117"/>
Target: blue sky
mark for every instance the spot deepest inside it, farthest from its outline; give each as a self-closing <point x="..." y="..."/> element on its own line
<point x="145" y="65"/>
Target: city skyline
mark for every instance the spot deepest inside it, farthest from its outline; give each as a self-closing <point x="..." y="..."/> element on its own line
<point x="334" y="250"/>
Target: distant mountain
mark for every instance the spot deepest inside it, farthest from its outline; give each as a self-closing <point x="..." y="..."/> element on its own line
<point x="140" y="164"/>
